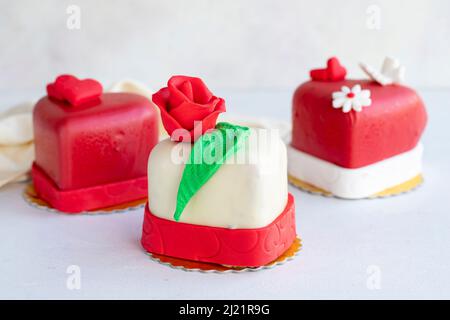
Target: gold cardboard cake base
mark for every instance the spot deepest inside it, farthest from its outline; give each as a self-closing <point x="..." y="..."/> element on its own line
<point x="396" y="190"/>
<point x="188" y="265"/>
<point x="30" y="196"/>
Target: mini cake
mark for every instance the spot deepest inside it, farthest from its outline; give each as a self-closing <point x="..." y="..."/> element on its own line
<point x="217" y="193"/>
<point x="356" y="138"/>
<point x="91" y="147"/>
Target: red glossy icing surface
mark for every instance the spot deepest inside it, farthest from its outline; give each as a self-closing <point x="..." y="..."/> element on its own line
<point x="393" y="124"/>
<point x="94" y="144"/>
<point x="235" y="247"/>
<point x="91" y="198"/>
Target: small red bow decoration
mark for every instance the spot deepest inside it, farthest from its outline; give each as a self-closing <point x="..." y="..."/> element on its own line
<point x="333" y="72"/>
<point x="73" y="90"/>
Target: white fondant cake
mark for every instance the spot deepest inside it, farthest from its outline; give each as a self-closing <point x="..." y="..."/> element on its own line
<point x="238" y="196"/>
<point x="355" y="183"/>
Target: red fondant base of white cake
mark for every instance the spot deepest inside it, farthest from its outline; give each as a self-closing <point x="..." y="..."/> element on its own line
<point x="233" y="247"/>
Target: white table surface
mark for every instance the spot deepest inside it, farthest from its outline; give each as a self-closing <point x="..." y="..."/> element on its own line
<point x="405" y="239"/>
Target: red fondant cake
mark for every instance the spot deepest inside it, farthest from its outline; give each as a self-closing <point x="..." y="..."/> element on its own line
<point x="356" y="138"/>
<point x="393" y="124"/>
<point x="87" y="140"/>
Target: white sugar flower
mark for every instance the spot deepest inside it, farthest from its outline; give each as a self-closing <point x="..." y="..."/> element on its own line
<point x="392" y="72"/>
<point x="351" y="99"/>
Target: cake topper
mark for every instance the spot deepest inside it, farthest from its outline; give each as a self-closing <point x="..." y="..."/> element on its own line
<point x="333" y="72"/>
<point x="392" y="72"/>
<point x="73" y="90"/>
<point x="187" y="103"/>
<point x="349" y="99"/>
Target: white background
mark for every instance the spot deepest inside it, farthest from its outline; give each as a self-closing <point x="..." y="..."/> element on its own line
<point x="232" y="44"/>
<point x="253" y="53"/>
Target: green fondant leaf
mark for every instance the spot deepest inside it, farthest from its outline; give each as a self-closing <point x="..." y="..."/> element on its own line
<point x="207" y="156"/>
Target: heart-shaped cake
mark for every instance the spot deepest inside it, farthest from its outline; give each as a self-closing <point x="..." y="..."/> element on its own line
<point x="91" y="147"/>
<point x="355" y="138"/>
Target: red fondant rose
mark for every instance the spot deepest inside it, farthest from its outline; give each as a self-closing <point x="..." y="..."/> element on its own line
<point x="186" y="103"/>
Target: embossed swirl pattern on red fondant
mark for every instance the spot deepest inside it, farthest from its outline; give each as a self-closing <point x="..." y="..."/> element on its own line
<point x="241" y="247"/>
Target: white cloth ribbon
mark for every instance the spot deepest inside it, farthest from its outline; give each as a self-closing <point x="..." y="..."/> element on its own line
<point x="16" y="143"/>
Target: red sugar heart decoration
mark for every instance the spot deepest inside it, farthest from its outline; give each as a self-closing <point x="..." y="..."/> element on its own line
<point x="333" y="72"/>
<point x="73" y="90"/>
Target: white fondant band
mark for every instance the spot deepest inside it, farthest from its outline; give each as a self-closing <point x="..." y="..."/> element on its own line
<point x="355" y="183"/>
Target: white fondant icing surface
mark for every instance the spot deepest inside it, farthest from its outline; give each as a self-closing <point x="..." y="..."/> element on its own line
<point x="355" y="183"/>
<point x="248" y="191"/>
